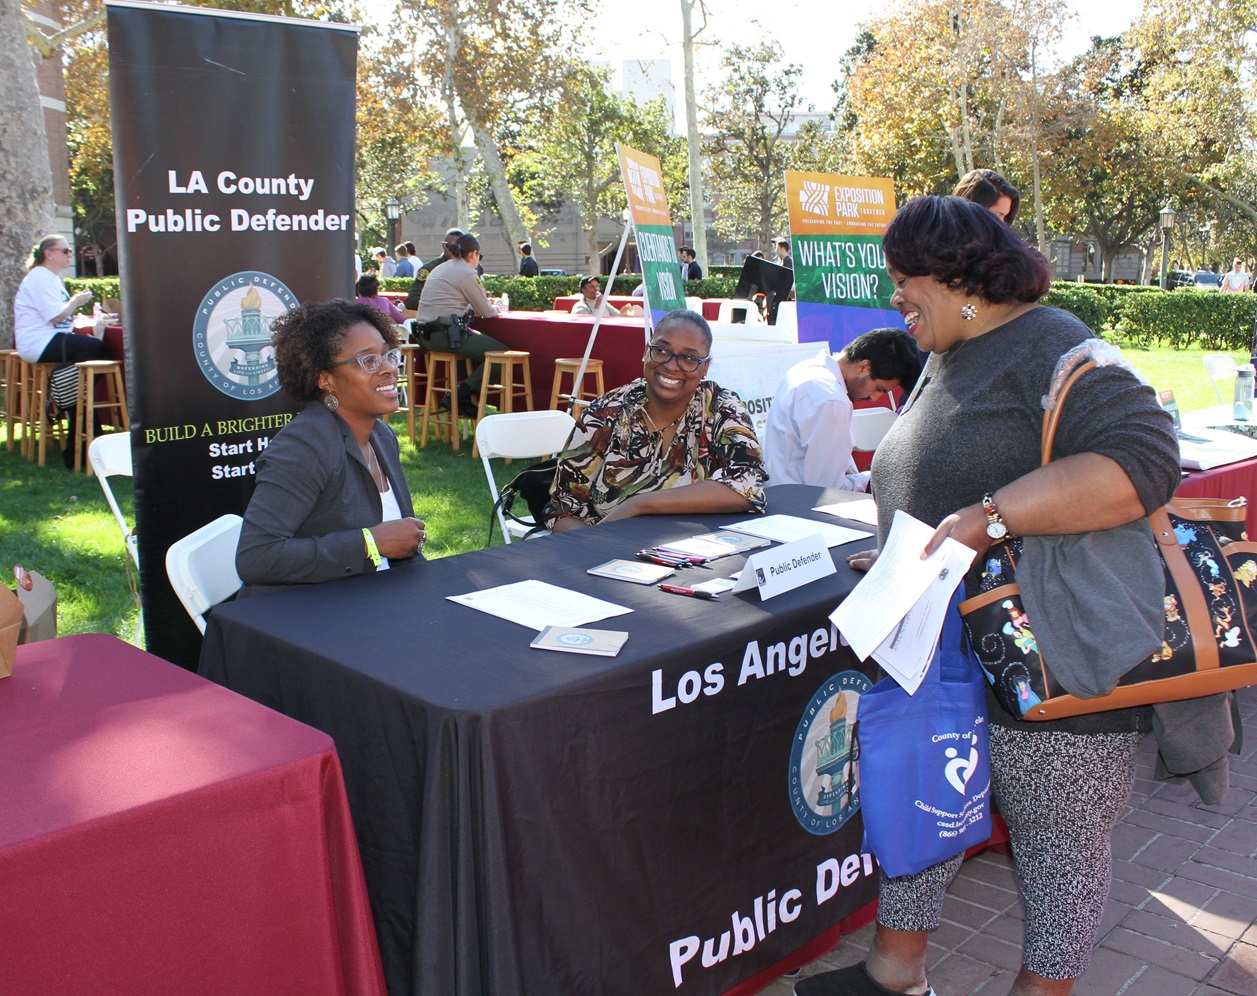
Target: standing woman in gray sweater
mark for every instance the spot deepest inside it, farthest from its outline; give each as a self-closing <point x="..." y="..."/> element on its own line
<point x="965" y="457"/>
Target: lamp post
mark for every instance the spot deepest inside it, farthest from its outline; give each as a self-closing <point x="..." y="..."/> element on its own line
<point x="392" y="211"/>
<point x="1168" y="214"/>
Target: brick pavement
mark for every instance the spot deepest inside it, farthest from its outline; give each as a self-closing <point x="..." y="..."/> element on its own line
<point x="1181" y="919"/>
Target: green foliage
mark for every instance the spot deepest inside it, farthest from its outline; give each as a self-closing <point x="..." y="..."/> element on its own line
<point x="101" y="288"/>
<point x="1186" y="319"/>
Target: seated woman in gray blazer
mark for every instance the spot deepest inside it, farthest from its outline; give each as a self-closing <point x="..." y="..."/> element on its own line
<point x="330" y="499"/>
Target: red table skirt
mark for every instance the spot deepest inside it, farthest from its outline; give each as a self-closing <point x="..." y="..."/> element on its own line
<point x="164" y="835"/>
<point x="620" y="345"/>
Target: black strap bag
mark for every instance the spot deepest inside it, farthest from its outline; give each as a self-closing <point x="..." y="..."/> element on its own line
<point x="533" y="485"/>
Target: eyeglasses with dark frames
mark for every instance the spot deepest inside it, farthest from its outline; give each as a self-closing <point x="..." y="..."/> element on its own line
<point x="371" y="362"/>
<point x="688" y="362"/>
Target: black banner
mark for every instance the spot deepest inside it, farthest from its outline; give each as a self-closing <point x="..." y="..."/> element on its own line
<point x="234" y="164"/>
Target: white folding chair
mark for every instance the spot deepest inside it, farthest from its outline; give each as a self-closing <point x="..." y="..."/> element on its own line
<point x="1219" y="365"/>
<point x="869" y="426"/>
<point x="520" y="436"/>
<point x="739" y="312"/>
<point x="110" y="456"/>
<point x="202" y="566"/>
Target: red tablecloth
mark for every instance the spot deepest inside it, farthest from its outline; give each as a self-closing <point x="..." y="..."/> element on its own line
<point x="1235" y="480"/>
<point x="568" y="301"/>
<point x="160" y="834"/>
<point x="620" y="345"/>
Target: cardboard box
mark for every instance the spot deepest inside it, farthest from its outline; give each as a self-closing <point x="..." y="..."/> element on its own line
<point x="10" y="622"/>
<point x="26" y="616"/>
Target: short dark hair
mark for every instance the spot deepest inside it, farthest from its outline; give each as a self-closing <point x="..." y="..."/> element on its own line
<point x="525" y="248"/>
<point x="892" y="355"/>
<point x="685" y="316"/>
<point x="985" y="187"/>
<point x="368" y="285"/>
<point x="963" y="245"/>
<point x="307" y="339"/>
<point x="464" y="244"/>
<point x="686" y="249"/>
<point x="410" y="248"/>
<point x="401" y="247"/>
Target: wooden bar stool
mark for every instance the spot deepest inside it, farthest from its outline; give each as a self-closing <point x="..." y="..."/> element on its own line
<point x="114" y="407"/>
<point x="442" y="374"/>
<point x="10" y="383"/>
<point x="33" y="383"/>
<point x="413" y="377"/>
<point x="569" y="367"/>
<point x="506" y="388"/>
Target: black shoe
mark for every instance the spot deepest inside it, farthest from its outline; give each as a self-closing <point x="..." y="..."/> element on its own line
<point x="444" y="406"/>
<point x="854" y="980"/>
<point x="466" y="407"/>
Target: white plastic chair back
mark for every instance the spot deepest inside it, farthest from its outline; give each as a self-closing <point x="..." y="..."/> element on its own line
<point x="519" y="436"/>
<point x="694" y="304"/>
<point x="787" y="315"/>
<point x="202" y="566"/>
<point x="869" y="426"/>
<point x="739" y="312"/>
<point x="110" y="456"/>
<point x="1219" y="365"/>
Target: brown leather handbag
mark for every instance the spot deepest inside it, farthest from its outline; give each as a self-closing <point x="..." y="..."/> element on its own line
<point x="1210" y="613"/>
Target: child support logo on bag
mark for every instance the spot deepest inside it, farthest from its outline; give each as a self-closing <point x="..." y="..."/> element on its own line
<point x="232" y="333"/>
<point x="824" y="778"/>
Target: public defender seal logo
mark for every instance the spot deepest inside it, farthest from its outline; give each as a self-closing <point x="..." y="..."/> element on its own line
<point x="824" y="779"/>
<point x="232" y="333"/>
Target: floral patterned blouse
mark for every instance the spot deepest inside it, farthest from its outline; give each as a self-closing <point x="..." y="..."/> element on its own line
<point x="615" y="454"/>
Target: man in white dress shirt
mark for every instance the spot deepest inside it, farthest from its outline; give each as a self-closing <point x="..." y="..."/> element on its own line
<point x="807" y="439"/>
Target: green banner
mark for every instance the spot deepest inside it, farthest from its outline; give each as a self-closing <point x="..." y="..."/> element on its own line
<point x="841" y="269"/>
<point x="661" y="269"/>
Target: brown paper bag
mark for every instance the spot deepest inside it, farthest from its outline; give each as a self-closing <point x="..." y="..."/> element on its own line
<point x="10" y="622"/>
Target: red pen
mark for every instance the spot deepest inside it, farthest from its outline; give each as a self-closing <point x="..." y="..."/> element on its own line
<point x="676" y="589"/>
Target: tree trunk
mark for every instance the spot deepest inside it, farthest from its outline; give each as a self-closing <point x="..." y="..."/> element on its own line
<point x="25" y="176"/>
<point x="698" y="216"/>
<point x="508" y="211"/>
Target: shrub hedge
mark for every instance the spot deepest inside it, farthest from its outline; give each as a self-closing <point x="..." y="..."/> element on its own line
<point x="1145" y="316"/>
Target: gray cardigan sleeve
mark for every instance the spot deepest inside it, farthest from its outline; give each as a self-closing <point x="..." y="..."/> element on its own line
<point x="297" y="529"/>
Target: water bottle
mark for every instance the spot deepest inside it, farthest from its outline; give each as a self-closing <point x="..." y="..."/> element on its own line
<point x="504" y="305"/>
<point x="1243" y="411"/>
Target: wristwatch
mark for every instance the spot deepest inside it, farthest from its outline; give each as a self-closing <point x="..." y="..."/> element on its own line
<point x="995" y="527"/>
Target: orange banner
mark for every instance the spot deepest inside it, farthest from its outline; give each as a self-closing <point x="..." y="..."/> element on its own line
<point x="643" y="179"/>
<point x="828" y="204"/>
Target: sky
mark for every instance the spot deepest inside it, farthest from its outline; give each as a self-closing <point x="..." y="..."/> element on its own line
<point x="813" y="33"/>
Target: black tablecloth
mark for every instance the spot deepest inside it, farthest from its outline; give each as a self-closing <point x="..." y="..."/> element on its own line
<point x="540" y="822"/>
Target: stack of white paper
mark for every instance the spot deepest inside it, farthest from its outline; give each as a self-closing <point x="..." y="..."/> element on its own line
<point x="896" y="612"/>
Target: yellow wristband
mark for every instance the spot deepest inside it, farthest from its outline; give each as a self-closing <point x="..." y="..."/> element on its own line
<point x="373" y="551"/>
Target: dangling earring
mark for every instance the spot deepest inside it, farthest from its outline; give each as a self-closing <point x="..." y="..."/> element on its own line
<point x="331" y="401"/>
<point x="968" y="312"/>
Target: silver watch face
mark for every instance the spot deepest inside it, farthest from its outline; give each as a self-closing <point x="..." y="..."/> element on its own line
<point x="996" y="530"/>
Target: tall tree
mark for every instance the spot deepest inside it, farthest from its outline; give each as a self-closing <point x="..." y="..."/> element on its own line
<point x="749" y="115"/>
<point x="573" y="152"/>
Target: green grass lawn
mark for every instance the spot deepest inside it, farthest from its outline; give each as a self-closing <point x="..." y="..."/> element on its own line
<point x="58" y="523"/>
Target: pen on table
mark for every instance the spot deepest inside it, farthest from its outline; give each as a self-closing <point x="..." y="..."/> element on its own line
<point x="676" y="589"/>
<point x="657" y="558"/>
<point x="682" y="558"/>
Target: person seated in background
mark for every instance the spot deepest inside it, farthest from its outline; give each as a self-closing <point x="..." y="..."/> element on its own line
<point x="590" y="296"/>
<point x="992" y="191"/>
<point x="367" y="290"/>
<point x="330" y="499"/>
<point x="690" y="270"/>
<point x="528" y="265"/>
<point x="405" y="266"/>
<point x="808" y="436"/>
<point x="670" y="443"/>
<point x="449" y="293"/>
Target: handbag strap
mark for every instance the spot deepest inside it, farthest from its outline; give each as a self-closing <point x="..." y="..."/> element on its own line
<point x="1053" y="415"/>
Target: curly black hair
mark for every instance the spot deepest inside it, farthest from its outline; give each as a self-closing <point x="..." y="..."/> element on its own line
<point x="963" y="245"/>
<point x="368" y="285"/>
<point x="307" y="339"/>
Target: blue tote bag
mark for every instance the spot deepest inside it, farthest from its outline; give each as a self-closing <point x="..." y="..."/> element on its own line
<point x="925" y="761"/>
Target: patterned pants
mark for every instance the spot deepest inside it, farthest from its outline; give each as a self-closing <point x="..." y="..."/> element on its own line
<point x="1062" y="794"/>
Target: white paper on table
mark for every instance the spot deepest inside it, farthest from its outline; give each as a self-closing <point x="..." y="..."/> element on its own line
<point x="906" y="654"/>
<point x="536" y="604"/>
<point x="862" y="510"/>
<point x="788" y="528"/>
<point x="897" y="579"/>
